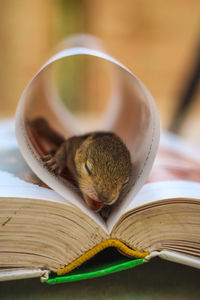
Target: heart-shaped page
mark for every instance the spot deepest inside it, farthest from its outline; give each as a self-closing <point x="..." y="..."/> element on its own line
<point x="82" y="89"/>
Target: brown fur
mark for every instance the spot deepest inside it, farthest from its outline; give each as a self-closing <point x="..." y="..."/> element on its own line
<point x="107" y="159"/>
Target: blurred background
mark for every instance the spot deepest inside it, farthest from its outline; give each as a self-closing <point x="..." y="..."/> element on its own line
<point x="158" y="40"/>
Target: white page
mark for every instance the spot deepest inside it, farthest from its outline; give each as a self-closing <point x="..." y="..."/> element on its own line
<point x="132" y="115"/>
<point x="176" y="257"/>
<point x="15" y="274"/>
<point x="16" y="179"/>
<point x="13" y="187"/>
<point x="164" y="190"/>
<point x="175" y="169"/>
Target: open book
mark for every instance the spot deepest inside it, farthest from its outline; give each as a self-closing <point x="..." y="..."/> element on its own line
<point x="46" y="225"/>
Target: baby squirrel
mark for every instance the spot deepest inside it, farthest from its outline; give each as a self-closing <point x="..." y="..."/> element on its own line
<point x="99" y="162"/>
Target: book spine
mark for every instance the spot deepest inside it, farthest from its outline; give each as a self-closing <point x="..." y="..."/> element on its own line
<point x="176" y="257"/>
<point x="22" y="274"/>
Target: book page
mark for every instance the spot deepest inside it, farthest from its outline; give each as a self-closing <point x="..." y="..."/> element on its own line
<point x="39" y="228"/>
<point x="44" y="121"/>
<point x="176" y="257"/>
<point x="176" y="160"/>
<point x="22" y="273"/>
<point x="156" y="191"/>
<point x="166" y="217"/>
<point x="175" y="174"/>
<point x="17" y="180"/>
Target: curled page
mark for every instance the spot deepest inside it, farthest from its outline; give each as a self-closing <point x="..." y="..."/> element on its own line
<point x="82" y="89"/>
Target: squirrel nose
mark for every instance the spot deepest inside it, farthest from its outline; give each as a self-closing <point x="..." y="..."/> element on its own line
<point x="103" y="199"/>
<point x="107" y="200"/>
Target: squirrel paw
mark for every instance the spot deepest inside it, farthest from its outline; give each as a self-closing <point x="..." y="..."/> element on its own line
<point x="51" y="163"/>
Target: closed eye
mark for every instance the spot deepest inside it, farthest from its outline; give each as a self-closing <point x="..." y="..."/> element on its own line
<point x="87" y="169"/>
<point x="124" y="185"/>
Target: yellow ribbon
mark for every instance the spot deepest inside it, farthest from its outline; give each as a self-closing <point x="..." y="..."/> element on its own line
<point x="92" y="252"/>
